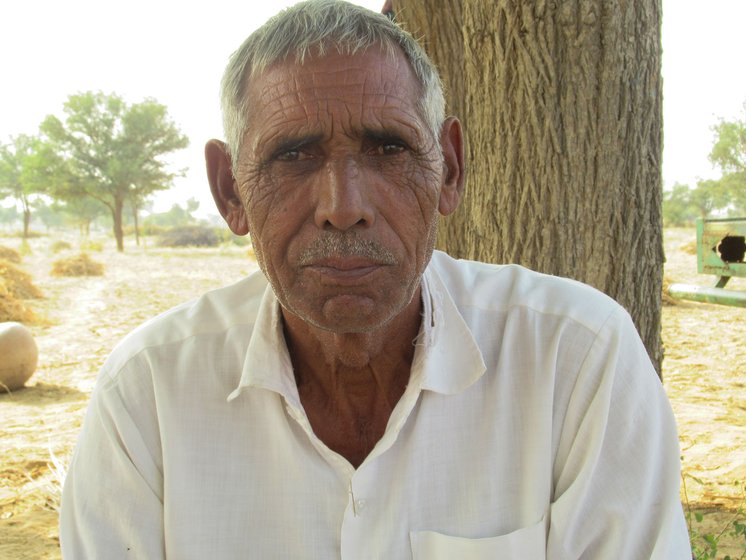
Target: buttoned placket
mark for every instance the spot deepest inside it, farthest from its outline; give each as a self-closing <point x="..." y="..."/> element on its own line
<point x="362" y="487"/>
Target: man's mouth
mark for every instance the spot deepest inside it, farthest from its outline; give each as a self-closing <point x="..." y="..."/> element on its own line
<point x="344" y="268"/>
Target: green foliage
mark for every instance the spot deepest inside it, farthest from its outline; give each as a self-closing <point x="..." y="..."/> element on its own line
<point x="189" y="236"/>
<point x="227" y="236"/>
<point x="8" y="215"/>
<point x="729" y="155"/>
<point x="706" y="545"/>
<point x="112" y="152"/>
<point x="175" y="217"/>
<point x="678" y="209"/>
<point x="91" y="246"/>
<point x="80" y="211"/>
<point x="23" y="172"/>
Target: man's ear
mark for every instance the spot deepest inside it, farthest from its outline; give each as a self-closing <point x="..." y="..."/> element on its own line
<point x="224" y="188"/>
<point x="452" y="146"/>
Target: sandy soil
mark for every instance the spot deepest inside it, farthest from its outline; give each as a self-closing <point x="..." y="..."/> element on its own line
<point x="704" y="375"/>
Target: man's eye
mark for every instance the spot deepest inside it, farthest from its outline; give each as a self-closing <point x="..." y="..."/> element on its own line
<point x="289" y="155"/>
<point x="390" y="149"/>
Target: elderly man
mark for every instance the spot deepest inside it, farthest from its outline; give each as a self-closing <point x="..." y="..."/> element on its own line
<point x="365" y="397"/>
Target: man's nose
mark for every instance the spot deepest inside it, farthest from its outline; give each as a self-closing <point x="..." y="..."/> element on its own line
<point x="344" y="199"/>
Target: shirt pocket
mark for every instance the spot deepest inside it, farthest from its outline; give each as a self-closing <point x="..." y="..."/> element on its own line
<point x="528" y="543"/>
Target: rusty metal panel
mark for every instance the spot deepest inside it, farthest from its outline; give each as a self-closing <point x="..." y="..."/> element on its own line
<point x="721" y="246"/>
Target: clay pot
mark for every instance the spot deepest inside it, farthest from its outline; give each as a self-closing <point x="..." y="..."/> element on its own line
<point x="18" y="356"/>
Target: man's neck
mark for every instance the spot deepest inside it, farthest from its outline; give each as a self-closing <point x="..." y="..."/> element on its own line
<point x="349" y="383"/>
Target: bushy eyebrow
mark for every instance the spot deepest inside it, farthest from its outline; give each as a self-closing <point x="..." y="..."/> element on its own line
<point x="382" y="135"/>
<point x="288" y="143"/>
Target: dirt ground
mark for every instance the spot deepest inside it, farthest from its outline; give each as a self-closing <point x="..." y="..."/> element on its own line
<point x="704" y="375"/>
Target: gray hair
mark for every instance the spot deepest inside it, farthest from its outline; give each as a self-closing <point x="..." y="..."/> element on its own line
<point x="311" y="28"/>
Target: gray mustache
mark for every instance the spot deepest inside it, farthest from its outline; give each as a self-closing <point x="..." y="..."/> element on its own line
<point x="340" y="245"/>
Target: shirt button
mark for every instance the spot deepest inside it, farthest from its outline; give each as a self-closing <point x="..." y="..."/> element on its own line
<point x="360" y="505"/>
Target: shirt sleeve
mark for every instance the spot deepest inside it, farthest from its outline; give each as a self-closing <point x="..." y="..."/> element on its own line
<point x="112" y="502"/>
<point x="617" y="469"/>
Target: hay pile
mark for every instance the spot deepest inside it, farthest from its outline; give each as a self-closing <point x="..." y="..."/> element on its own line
<point x="18" y="283"/>
<point x="16" y="286"/>
<point x="82" y="265"/>
<point x="10" y="255"/>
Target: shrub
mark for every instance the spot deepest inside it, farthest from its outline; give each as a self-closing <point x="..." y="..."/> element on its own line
<point x="81" y="265"/>
<point x="189" y="236"/>
<point x="10" y="255"/>
<point x="18" y="283"/>
<point x="89" y="245"/>
<point x="59" y="246"/>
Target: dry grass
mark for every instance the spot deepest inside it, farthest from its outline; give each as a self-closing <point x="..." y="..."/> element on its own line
<point x="12" y="308"/>
<point x="80" y="265"/>
<point x="18" y="283"/>
<point x="667" y="299"/>
<point x="15" y="287"/>
<point x="10" y="255"/>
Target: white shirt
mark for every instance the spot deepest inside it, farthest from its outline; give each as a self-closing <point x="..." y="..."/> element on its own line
<point x="533" y="426"/>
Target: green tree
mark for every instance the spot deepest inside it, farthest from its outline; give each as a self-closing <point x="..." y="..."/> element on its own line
<point x="729" y="155"/>
<point x="81" y="211"/>
<point x="114" y="151"/>
<point x="709" y="195"/>
<point x="677" y="206"/>
<point x="8" y="215"/>
<point x="22" y="174"/>
<point x="177" y="216"/>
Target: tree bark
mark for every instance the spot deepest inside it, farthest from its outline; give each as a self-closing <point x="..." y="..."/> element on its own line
<point x="26" y="216"/>
<point x="561" y="103"/>
<point x="116" y="214"/>
<point x="26" y="222"/>
<point x="135" y="212"/>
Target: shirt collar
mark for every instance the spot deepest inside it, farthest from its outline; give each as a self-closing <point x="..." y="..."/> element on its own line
<point x="267" y="363"/>
<point x="447" y="359"/>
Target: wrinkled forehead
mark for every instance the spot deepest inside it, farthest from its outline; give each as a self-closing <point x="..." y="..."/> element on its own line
<point x="365" y="85"/>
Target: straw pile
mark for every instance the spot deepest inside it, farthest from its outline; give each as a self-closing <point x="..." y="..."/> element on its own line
<point x="10" y="255"/>
<point x="16" y="286"/>
<point x="81" y="265"/>
<point x="18" y="283"/>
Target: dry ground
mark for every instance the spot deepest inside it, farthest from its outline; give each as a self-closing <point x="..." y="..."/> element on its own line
<point x="704" y="373"/>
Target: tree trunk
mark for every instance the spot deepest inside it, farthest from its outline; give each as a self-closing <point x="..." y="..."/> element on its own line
<point x="116" y="214"/>
<point x="26" y="221"/>
<point x="137" y="225"/>
<point x="26" y="216"/>
<point x="561" y="103"/>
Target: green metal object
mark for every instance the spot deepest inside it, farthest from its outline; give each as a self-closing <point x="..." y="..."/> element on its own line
<point x="721" y="250"/>
<point x="708" y="295"/>
<point x="721" y="246"/>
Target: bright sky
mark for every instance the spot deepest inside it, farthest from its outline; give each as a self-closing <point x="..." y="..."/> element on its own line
<point x="176" y="51"/>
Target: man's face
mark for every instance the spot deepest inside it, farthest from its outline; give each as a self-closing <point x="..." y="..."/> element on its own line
<point x="340" y="179"/>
